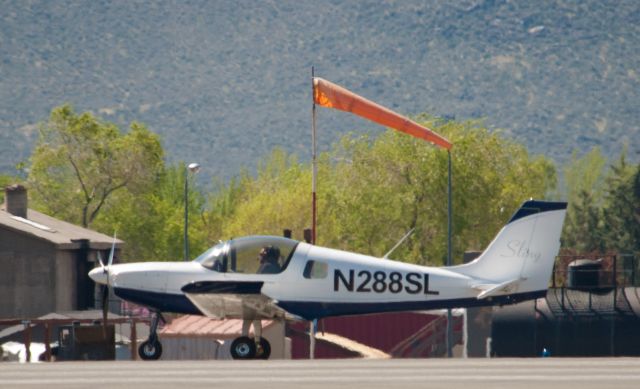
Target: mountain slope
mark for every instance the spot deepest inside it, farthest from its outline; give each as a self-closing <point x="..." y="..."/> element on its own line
<point x="224" y="82"/>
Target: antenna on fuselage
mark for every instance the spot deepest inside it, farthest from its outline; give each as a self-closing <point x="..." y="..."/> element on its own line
<point x="386" y="256"/>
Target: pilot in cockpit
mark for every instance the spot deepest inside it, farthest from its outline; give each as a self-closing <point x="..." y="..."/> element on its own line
<point x="269" y="256"/>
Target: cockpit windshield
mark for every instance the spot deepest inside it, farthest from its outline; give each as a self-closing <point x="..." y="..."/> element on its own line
<point x="250" y="255"/>
<point x="214" y="258"/>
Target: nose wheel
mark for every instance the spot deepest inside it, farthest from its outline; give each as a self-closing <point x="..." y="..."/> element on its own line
<point x="151" y="349"/>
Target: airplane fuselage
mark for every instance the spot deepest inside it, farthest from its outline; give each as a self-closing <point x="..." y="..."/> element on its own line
<point x="267" y="277"/>
<point x="346" y="284"/>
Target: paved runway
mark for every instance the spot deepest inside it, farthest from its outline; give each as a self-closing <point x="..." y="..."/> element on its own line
<point x="565" y="373"/>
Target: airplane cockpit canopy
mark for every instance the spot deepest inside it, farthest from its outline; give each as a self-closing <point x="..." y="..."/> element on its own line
<point x="250" y="255"/>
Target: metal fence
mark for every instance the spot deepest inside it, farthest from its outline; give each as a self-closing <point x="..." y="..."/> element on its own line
<point x="615" y="270"/>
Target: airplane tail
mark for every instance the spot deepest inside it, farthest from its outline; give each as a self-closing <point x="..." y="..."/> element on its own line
<point x="520" y="258"/>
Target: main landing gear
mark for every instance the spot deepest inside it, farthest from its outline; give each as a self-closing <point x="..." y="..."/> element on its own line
<point x="151" y="349"/>
<point x="245" y="347"/>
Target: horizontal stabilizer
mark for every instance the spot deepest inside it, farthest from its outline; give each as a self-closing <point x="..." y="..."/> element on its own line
<point x="489" y="290"/>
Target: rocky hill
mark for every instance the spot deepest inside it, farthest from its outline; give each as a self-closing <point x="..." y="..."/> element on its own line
<point x="223" y="82"/>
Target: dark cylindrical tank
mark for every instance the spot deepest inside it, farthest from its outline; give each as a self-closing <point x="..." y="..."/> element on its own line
<point x="584" y="274"/>
<point x="569" y="323"/>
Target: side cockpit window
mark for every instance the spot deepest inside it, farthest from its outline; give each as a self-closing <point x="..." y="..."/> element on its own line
<point x="250" y="255"/>
<point x="315" y="270"/>
<point x="260" y="254"/>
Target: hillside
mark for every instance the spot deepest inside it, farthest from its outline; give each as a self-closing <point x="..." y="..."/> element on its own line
<point x="224" y="82"/>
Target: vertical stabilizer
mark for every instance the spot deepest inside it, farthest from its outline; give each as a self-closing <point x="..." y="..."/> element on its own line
<point x="521" y="257"/>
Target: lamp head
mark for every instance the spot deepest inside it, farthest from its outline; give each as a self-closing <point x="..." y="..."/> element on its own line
<point x="194" y="167"/>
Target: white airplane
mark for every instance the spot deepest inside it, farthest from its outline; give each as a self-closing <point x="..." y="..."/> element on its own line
<point x="268" y="277"/>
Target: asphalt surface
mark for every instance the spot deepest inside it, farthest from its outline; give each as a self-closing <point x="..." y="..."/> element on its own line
<point x="565" y="373"/>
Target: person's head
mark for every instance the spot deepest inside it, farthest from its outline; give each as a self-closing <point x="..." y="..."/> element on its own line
<point x="269" y="254"/>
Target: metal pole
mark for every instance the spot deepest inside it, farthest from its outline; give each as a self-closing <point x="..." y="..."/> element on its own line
<point x="186" y="213"/>
<point x="615" y="282"/>
<point x="449" y="231"/>
<point x="313" y="326"/>
<point x="314" y="163"/>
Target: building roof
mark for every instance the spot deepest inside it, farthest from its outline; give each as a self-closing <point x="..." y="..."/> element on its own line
<point x="75" y="315"/>
<point x="193" y="325"/>
<point x="58" y="232"/>
<point x="123" y="331"/>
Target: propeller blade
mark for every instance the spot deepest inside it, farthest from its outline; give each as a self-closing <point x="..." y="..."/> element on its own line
<point x="113" y="249"/>
<point x="100" y="260"/>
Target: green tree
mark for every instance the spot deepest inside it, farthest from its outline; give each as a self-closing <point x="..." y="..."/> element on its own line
<point x="586" y="173"/>
<point x="636" y="197"/>
<point x="152" y="222"/>
<point x="277" y="198"/>
<point x="80" y="162"/>
<point x="395" y="183"/>
<point x="603" y="204"/>
<point x="620" y="208"/>
<point x="583" y="230"/>
<point x="372" y="191"/>
<point x="584" y="181"/>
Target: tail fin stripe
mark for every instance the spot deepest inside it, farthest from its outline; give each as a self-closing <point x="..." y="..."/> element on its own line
<point x="532" y="207"/>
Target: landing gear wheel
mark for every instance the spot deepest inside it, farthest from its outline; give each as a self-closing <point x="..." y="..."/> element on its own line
<point x="150" y="350"/>
<point x="263" y="349"/>
<point x="243" y="348"/>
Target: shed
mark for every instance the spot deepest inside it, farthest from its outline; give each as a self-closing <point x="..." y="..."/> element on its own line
<point x="44" y="329"/>
<point x="199" y="337"/>
<point x="45" y="261"/>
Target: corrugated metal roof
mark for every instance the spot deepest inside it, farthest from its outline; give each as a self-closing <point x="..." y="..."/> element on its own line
<point x="193" y="325"/>
<point x="58" y="232"/>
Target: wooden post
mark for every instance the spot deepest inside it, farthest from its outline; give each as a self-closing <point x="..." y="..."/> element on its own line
<point x="134" y="339"/>
<point x="27" y="339"/>
<point x="47" y="340"/>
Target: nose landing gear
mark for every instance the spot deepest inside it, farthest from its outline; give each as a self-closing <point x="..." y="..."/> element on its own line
<point x="151" y="349"/>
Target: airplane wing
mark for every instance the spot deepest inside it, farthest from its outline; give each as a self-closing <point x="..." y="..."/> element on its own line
<point x="234" y="300"/>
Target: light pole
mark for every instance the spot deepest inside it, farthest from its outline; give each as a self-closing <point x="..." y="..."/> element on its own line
<point x="193" y="168"/>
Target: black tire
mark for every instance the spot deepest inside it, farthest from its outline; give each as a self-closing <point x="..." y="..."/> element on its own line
<point x="243" y="348"/>
<point x="150" y="351"/>
<point x="263" y="349"/>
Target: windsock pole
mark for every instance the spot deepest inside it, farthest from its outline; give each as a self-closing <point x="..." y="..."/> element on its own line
<point x="314" y="163"/>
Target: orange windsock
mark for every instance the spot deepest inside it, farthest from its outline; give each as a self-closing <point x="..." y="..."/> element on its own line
<point x="330" y="95"/>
